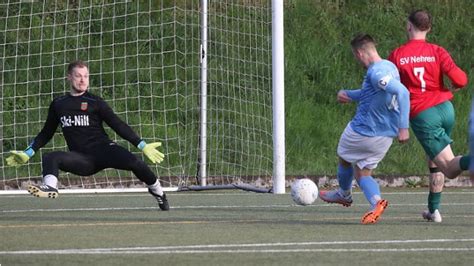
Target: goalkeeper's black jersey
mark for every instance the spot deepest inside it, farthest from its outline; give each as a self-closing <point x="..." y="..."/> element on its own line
<point x="80" y="118"/>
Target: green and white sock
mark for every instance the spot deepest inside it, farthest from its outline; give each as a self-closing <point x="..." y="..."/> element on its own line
<point x="434" y="199"/>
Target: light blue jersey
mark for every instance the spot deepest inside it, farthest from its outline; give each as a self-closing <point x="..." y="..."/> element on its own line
<point x="383" y="102"/>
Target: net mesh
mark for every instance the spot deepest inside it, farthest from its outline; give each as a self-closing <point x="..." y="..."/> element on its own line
<point x="144" y="60"/>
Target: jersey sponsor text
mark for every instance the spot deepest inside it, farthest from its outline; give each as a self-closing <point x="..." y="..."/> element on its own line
<point x="75" y="120"/>
<point x="417" y="59"/>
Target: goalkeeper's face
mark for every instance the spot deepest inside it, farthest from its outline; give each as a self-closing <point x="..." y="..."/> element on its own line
<point x="79" y="79"/>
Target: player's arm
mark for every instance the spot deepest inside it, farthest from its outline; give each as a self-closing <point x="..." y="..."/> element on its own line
<point x="114" y="122"/>
<point x="21" y="157"/>
<point x="395" y="87"/>
<point x="403" y="97"/>
<point x="126" y="132"/>
<point x="457" y="76"/>
<point x="49" y="128"/>
<point x="346" y="96"/>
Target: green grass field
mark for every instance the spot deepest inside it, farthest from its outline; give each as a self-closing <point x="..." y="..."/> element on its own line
<point x="232" y="228"/>
<point x="225" y="227"/>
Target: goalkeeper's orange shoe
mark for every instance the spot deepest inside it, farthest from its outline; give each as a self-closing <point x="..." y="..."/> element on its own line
<point x="372" y="216"/>
<point x="43" y="191"/>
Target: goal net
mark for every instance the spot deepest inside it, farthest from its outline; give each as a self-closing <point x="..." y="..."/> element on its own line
<point x="145" y="60"/>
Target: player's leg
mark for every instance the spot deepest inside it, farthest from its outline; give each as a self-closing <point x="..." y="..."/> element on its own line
<point x="371" y="190"/>
<point x="345" y="175"/>
<point x="373" y="149"/>
<point x="436" y="184"/>
<point x="115" y="156"/>
<point x="342" y="195"/>
<point x="456" y="164"/>
<point x="368" y="185"/>
<point x="444" y="157"/>
<point x="451" y="165"/>
<point x="432" y="128"/>
<point x="52" y="162"/>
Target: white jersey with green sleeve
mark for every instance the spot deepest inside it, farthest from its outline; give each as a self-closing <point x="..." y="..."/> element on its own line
<point x="383" y="102"/>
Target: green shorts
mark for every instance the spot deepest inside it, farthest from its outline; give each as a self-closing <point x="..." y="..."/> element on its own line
<point x="433" y="127"/>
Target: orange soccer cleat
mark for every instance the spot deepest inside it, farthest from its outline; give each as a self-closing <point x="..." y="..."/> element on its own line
<point x="372" y="216"/>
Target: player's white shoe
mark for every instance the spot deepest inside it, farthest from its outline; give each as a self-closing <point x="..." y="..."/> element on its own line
<point x="432" y="217"/>
<point x="335" y="196"/>
<point x="43" y="191"/>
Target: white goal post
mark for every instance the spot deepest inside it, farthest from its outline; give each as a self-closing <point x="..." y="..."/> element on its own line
<point x="204" y="77"/>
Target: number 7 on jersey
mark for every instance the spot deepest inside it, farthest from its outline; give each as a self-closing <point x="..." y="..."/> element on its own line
<point x="419" y="72"/>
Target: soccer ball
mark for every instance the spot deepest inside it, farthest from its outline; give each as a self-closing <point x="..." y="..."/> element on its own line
<point x="304" y="191"/>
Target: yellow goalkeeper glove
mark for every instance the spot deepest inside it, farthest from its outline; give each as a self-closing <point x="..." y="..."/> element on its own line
<point x="151" y="151"/>
<point x="20" y="157"/>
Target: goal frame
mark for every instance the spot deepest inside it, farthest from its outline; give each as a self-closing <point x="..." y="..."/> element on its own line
<point x="278" y="117"/>
<point x="278" y="102"/>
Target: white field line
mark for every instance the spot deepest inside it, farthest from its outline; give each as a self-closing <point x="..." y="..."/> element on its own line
<point x="231" y="251"/>
<point x="200" y="193"/>
<point x="220" y="207"/>
<point x="291" y="247"/>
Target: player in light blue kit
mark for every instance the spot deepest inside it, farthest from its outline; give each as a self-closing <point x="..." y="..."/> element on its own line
<point x="471" y="142"/>
<point x="382" y="114"/>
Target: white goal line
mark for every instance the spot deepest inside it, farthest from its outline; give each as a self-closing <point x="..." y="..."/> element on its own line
<point x="90" y="190"/>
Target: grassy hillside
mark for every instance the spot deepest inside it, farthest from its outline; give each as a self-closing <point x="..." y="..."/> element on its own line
<point x="319" y="63"/>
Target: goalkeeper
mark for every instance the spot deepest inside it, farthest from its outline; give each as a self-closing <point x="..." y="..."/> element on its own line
<point x="80" y="115"/>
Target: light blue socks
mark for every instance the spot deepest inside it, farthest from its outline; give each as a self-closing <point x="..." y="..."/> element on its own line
<point x="371" y="189"/>
<point x="344" y="177"/>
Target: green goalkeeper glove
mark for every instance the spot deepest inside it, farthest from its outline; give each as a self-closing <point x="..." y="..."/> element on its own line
<point x="20" y="157"/>
<point x="151" y="151"/>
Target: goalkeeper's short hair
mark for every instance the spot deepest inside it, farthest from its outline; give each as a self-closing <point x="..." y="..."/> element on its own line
<point x="74" y="64"/>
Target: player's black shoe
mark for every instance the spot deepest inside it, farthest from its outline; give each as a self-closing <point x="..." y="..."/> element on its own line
<point x="162" y="200"/>
<point x="43" y="191"/>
